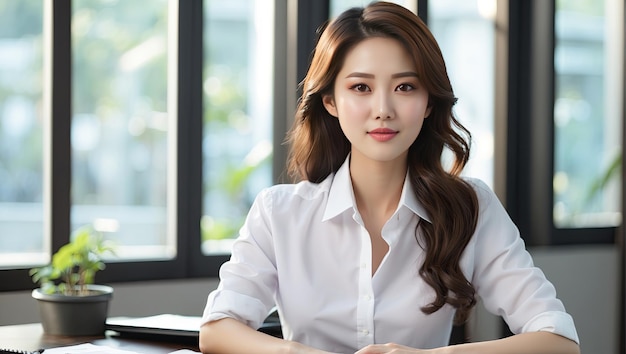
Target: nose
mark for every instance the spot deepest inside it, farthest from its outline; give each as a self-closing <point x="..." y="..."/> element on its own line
<point x="384" y="106"/>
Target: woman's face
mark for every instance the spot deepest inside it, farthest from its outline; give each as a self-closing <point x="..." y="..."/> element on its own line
<point x="379" y="100"/>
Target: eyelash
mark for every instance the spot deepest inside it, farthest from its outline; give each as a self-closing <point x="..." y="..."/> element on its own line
<point x="364" y="88"/>
<point x="360" y="88"/>
<point x="407" y="87"/>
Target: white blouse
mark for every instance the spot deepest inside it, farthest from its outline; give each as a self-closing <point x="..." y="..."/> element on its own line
<point x="304" y="249"/>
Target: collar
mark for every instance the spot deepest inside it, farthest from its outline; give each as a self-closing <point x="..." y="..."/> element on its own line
<point x="341" y="195"/>
<point x="409" y="200"/>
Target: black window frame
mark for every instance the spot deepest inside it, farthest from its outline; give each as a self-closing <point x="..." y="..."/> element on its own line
<point x="190" y="262"/>
<point x="530" y="130"/>
<point x="529" y="135"/>
<point x="530" y="141"/>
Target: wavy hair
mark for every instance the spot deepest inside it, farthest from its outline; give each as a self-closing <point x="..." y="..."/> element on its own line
<point x="318" y="146"/>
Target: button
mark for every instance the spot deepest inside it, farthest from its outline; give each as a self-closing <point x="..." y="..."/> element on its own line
<point x="367" y="297"/>
<point x="365" y="332"/>
<point x="363" y="265"/>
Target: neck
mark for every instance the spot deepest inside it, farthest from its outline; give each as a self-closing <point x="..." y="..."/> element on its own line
<point x="377" y="185"/>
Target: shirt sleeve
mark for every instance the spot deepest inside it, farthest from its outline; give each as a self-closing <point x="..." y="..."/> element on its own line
<point x="505" y="277"/>
<point x="248" y="279"/>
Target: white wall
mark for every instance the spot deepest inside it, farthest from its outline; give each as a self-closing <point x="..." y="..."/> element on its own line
<point x="183" y="297"/>
<point x="586" y="279"/>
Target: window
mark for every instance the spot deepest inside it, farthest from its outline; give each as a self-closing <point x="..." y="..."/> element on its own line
<point x="338" y="6"/>
<point x="465" y="32"/>
<point x="587" y="113"/>
<point x="21" y="134"/>
<point x="237" y="138"/>
<point x="564" y="120"/>
<point x="154" y="104"/>
<point x="120" y="124"/>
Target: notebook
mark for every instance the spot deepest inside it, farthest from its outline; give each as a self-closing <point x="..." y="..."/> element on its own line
<point x="164" y="324"/>
<point x="88" y="348"/>
<point x="170" y="326"/>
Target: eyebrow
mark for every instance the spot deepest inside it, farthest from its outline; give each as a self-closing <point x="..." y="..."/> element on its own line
<point x="394" y="76"/>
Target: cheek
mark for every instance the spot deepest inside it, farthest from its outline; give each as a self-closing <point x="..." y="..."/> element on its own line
<point x="414" y="116"/>
<point x="415" y="108"/>
<point x="352" y="111"/>
<point x="352" y="106"/>
<point x="352" y="117"/>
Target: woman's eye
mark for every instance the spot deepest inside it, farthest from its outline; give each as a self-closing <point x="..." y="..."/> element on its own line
<point x="360" y="88"/>
<point x="405" y="87"/>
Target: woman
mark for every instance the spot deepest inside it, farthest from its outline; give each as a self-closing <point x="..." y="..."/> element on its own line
<point x="379" y="248"/>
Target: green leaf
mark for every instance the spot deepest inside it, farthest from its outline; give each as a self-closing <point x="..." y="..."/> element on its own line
<point x="75" y="263"/>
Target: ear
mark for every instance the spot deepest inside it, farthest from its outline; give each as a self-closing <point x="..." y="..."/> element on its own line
<point x="329" y="104"/>
<point x="428" y="110"/>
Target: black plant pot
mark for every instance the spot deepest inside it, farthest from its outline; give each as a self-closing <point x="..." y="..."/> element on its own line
<point x="75" y="315"/>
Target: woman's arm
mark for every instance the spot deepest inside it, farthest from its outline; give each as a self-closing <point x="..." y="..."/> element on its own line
<point x="525" y="343"/>
<point x="231" y="336"/>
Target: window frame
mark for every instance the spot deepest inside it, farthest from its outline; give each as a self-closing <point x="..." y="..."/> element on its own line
<point x="529" y="150"/>
<point x="530" y="130"/>
<point x="187" y="108"/>
<point x="530" y="161"/>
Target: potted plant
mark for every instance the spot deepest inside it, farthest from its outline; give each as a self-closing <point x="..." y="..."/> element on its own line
<point x="69" y="301"/>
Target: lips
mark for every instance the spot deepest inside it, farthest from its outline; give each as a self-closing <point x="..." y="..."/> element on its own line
<point x="383" y="134"/>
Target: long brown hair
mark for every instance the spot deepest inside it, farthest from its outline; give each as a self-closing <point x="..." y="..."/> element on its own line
<point x="318" y="146"/>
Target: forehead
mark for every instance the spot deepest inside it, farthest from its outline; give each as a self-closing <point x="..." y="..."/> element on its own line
<point x="378" y="55"/>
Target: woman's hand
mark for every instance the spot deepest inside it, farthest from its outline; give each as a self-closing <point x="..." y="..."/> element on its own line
<point x="525" y="343"/>
<point x="390" y="348"/>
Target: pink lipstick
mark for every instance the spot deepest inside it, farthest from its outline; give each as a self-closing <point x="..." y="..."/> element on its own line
<point x="383" y="134"/>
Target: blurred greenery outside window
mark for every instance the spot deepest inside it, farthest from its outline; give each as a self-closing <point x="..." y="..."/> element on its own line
<point x="129" y="101"/>
<point x="121" y="118"/>
<point x="588" y="113"/>
<point x="338" y="6"/>
<point x="21" y="134"/>
<point x="120" y="123"/>
<point x="465" y="31"/>
<point x="237" y="137"/>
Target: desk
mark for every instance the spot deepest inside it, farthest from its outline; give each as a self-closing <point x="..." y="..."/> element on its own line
<point x="31" y="337"/>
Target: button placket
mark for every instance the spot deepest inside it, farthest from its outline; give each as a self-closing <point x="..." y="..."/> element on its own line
<point x="365" y="305"/>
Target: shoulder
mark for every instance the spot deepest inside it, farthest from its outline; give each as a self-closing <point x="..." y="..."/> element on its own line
<point x="477" y="184"/>
<point x="291" y="195"/>
<point x="488" y="201"/>
<point x="493" y="218"/>
<point x="484" y="193"/>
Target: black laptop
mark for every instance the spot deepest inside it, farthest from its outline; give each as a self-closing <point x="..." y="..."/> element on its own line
<point x="158" y="325"/>
<point x="169" y="327"/>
